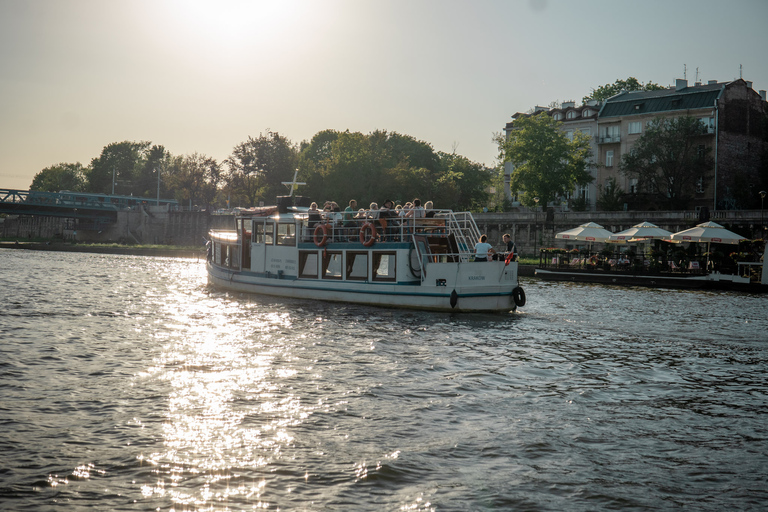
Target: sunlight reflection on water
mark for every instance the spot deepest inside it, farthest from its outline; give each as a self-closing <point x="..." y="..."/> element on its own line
<point x="161" y="393"/>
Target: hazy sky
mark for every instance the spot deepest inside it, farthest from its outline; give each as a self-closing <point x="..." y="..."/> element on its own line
<point x="201" y="76"/>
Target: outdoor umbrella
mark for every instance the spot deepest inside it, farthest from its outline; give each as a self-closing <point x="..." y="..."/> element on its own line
<point x="708" y="232"/>
<point x="589" y="232"/>
<point x="644" y="230"/>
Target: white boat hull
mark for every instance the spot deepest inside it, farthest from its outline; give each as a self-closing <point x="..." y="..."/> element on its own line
<point x="468" y="298"/>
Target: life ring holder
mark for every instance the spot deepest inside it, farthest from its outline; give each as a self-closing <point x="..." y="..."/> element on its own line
<point x="320" y="229"/>
<point x="367" y="242"/>
<point x="510" y="258"/>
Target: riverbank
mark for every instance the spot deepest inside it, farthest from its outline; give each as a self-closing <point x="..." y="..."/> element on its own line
<point x="163" y="251"/>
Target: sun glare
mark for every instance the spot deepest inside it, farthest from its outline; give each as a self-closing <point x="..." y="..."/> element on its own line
<point x="236" y="23"/>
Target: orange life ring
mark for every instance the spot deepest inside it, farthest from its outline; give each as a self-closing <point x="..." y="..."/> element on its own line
<point x="320" y="228"/>
<point x="368" y="226"/>
<point x="510" y="257"/>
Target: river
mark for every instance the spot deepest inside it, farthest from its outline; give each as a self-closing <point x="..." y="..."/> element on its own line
<point x="128" y="384"/>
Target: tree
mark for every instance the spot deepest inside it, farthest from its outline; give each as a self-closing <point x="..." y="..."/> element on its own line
<point x="119" y="160"/>
<point x="60" y="177"/>
<point x="670" y="160"/>
<point x="604" y="92"/>
<point x="258" y="166"/>
<point x="546" y="164"/>
<point x="194" y="179"/>
<point x="611" y="197"/>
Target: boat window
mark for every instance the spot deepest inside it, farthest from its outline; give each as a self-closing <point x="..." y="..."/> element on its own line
<point x="217" y="253"/>
<point x="384" y="266"/>
<point x="308" y="264"/>
<point x="357" y="265"/>
<point x="332" y="265"/>
<point x="263" y="232"/>
<point x="286" y="234"/>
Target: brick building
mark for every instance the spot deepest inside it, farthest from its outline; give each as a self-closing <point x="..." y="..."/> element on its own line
<point x="734" y="126"/>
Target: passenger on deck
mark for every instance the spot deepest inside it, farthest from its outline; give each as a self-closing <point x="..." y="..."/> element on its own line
<point x="509" y="245"/>
<point x="428" y="208"/>
<point x="418" y="211"/>
<point x="483" y="249"/>
<point x="388" y="215"/>
<point x="349" y="213"/>
<point x="313" y="216"/>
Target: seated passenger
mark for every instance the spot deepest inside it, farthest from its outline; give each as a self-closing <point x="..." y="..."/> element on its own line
<point x="483" y="249"/>
<point x="428" y="209"/>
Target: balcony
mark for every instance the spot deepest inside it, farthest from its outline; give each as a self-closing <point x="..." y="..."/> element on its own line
<point x="608" y="139"/>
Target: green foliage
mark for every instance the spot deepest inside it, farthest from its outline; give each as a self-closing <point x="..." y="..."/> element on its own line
<point x="579" y="204"/>
<point x="340" y="166"/>
<point x="258" y="166"/>
<point x="60" y="177"/>
<point x="611" y="197"/>
<point x="194" y="179"/>
<point x="669" y="159"/>
<point x="604" y="92"/>
<point x="546" y="164"/>
<point x="126" y="161"/>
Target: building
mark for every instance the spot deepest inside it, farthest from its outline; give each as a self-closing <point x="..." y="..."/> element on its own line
<point x="733" y="118"/>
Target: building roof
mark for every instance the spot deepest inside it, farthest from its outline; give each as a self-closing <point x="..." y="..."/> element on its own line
<point x="644" y="102"/>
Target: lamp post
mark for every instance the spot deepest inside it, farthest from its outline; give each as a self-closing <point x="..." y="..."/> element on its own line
<point x="536" y="229"/>
<point x="762" y="201"/>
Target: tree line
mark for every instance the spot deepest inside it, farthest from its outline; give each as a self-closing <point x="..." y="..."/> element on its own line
<point x="336" y="165"/>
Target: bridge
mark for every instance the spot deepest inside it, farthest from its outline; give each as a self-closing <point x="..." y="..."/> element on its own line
<point x="94" y="210"/>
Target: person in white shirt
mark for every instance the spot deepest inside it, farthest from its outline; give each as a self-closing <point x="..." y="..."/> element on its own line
<point x="483" y="249"/>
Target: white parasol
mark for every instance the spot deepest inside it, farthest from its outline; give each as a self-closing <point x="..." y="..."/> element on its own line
<point x="589" y="232"/>
<point x="642" y="231"/>
<point x="709" y="232"/>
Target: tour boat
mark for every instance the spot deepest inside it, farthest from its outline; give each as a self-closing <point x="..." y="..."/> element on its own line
<point x="423" y="263"/>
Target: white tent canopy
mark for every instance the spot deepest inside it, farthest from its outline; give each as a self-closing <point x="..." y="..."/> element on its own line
<point x="709" y="232"/>
<point x="642" y="231"/>
<point x="589" y="232"/>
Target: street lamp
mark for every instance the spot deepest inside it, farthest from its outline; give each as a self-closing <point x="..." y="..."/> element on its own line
<point x="536" y="230"/>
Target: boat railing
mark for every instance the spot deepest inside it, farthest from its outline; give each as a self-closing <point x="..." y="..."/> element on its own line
<point x="396" y="229"/>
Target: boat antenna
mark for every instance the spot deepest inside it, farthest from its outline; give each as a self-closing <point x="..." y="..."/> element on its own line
<point x="293" y="184"/>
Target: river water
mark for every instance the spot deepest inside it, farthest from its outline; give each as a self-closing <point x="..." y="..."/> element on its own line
<point x="128" y="384"/>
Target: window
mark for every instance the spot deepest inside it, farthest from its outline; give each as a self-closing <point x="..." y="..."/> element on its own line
<point x="558" y="117"/>
<point x="609" y="133"/>
<point x="263" y="232"/>
<point x="286" y="234"/>
<point x="609" y="158"/>
<point x="587" y="131"/>
<point x="586" y="113"/>
<point x="701" y="151"/>
<point x="700" y="186"/>
<point x="633" y="186"/>
<point x="569" y="134"/>
<point x="571" y="115"/>
<point x="635" y="127"/>
<point x="384" y="266"/>
<point x="308" y="264"/>
<point x="709" y="124"/>
<point x="583" y="192"/>
<point x="357" y="266"/>
<point x="332" y="265"/>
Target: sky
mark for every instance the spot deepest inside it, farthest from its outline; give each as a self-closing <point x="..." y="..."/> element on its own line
<point x="198" y="76"/>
